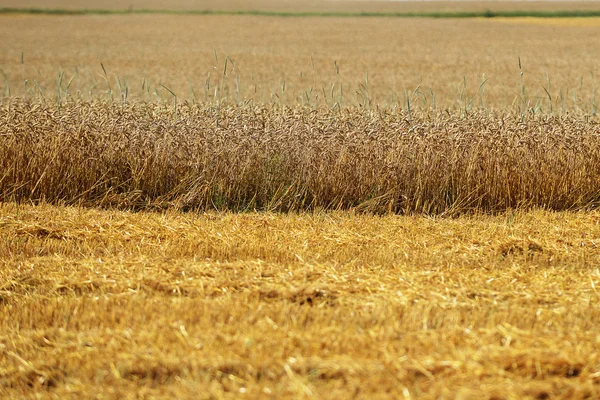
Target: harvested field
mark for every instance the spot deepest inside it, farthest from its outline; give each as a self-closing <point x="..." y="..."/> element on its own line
<point x="316" y="62"/>
<point x="105" y="303"/>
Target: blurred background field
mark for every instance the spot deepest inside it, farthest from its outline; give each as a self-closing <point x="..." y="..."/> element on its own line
<point x="308" y="5"/>
<point x="312" y="61"/>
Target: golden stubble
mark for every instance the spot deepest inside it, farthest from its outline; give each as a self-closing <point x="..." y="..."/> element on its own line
<point x="328" y="304"/>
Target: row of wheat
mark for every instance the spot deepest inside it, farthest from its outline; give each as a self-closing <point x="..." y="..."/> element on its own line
<point x="147" y="156"/>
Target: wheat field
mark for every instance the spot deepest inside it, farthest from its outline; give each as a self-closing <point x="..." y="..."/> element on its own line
<point x="247" y="206"/>
<point x="272" y="159"/>
<point x="311" y="61"/>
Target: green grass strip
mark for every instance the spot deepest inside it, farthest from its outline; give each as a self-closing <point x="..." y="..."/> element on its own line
<point x="432" y="14"/>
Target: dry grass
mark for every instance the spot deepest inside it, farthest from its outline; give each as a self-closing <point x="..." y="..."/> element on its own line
<point x="116" y="304"/>
<point x="293" y="60"/>
<point x="240" y="159"/>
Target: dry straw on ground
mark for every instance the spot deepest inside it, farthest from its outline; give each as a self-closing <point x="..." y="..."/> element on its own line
<point x="105" y="303"/>
<point x="241" y="159"/>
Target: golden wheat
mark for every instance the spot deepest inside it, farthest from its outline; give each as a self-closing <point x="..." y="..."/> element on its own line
<point x="148" y="157"/>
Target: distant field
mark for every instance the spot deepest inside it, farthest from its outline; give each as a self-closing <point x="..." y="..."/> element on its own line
<point x="100" y="303"/>
<point x="311" y="61"/>
<point x="559" y="22"/>
<point x="309" y="5"/>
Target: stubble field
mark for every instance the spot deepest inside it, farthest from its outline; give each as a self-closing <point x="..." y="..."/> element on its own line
<point x="115" y="304"/>
<point x="337" y="207"/>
